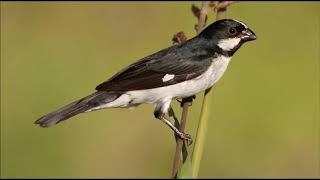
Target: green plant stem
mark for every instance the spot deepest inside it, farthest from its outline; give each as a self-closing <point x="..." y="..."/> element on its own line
<point x="201" y="132"/>
<point x="186" y="102"/>
<point x="204" y="117"/>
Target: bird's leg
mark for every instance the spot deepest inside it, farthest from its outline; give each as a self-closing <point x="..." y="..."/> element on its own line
<point x="181" y="135"/>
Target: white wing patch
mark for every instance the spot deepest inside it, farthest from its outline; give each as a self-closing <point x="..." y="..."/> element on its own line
<point x="167" y="77"/>
<point x="228" y="44"/>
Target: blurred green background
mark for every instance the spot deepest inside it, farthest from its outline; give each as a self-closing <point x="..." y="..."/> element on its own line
<point x="265" y="115"/>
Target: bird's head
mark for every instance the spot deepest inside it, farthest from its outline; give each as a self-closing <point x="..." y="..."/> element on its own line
<point x="228" y="34"/>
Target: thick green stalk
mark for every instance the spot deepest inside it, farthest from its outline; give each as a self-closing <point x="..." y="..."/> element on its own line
<point x="201" y="132"/>
<point x="205" y="110"/>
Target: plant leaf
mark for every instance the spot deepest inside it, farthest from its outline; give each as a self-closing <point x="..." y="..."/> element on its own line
<point x="186" y="168"/>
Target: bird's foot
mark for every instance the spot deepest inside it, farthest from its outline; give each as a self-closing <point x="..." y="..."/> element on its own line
<point x="185" y="137"/>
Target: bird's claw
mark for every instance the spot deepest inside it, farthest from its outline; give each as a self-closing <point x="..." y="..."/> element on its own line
<point x="185" y="137"/>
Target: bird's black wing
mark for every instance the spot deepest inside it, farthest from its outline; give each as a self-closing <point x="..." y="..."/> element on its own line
<point x="149" y="72"/>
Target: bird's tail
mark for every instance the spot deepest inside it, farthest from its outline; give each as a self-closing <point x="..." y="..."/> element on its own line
<point x="85" y="104"/>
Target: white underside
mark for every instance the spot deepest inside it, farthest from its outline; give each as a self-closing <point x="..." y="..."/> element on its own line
<point x="162" y="96"/>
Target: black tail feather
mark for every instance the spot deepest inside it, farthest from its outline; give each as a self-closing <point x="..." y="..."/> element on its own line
<point x="96" y="99"/>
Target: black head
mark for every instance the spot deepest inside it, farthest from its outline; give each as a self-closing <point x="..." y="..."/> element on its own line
<point x="228" y="34"/>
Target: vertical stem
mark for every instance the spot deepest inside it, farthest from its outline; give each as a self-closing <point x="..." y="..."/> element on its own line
<point x="201" y="132"/>
<point x="206" y="104"/>
<point x="186" y="102"/>
<point x="203" y="16"/>
<point x="204" y="117"/>
<point x="177" y="158"/>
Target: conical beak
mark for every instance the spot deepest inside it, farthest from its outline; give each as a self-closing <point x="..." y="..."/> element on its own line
<point x="248" y="35"/>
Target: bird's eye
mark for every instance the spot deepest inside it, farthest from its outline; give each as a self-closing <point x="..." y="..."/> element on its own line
<point x="232" y="31"/>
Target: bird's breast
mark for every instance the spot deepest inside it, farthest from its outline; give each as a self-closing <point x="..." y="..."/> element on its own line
<point x="217" y="69"/>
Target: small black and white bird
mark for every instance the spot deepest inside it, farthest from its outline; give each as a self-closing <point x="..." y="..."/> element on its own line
<point x="178" y="71"/>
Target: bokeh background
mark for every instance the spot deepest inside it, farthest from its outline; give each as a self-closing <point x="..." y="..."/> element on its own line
<point x="265" y="115"/>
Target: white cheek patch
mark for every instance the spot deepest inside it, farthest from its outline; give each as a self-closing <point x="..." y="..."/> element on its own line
<point x="167" y="77"/>
<point x="228" y="44"/>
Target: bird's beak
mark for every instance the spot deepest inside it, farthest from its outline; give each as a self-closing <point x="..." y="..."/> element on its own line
<point x="248" y="35"/>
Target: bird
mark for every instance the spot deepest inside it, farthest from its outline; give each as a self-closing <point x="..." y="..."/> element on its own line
<point x="179" y="71"/>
